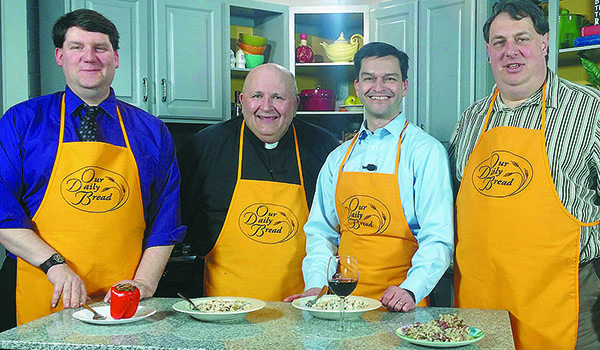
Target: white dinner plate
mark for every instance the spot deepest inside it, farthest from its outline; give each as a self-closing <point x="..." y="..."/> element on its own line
<point x="186" y="308"/>
<point x="86" y="315"/>
<point x="372" y="304"/>
<point x="476" y="333"/>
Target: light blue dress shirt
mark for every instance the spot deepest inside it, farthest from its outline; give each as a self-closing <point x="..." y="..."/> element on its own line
<point x="425" y="192"/>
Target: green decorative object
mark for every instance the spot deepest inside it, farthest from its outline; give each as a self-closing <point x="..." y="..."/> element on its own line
<point x="592" y="70"/>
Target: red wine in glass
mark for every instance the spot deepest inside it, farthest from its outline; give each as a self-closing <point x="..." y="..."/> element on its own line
<point x="342" y="277"/>
<point x="342" y="286"/>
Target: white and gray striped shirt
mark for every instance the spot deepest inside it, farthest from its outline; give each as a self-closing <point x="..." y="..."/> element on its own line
<point x="572" y="141"/>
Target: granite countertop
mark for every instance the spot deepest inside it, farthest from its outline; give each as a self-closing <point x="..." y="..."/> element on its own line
<point x="277" y="326"/>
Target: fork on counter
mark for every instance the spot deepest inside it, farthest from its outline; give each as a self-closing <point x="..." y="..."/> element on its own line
<point x="96" y="316"/>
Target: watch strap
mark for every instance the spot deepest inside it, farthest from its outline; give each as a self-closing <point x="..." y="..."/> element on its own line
<point x="54" y="259"/>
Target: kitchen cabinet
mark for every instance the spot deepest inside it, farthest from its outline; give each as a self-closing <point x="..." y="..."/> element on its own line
<point x="257" y="18"/>
<point x="168" y="56"/>
<point x="325" y="24"/>
<point x="439" y="38"/>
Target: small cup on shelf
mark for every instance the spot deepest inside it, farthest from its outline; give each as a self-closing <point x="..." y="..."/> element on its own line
<point x="254" y="60"/>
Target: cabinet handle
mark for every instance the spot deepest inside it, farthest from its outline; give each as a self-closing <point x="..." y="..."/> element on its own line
<point x="145" y="83"/>
<point x="163" y="82"/>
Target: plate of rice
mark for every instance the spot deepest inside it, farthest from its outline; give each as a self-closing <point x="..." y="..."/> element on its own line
<point x="328" y="307"/>
<point x="219" y="308"/>
<point x="447" y="331"/>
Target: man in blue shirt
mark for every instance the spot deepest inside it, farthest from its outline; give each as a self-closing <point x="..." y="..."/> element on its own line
<point x="385" y="196"/>
<point x="82" y="216"/>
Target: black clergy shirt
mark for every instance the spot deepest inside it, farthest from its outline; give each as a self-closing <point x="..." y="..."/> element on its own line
<point x="208" y="163"/>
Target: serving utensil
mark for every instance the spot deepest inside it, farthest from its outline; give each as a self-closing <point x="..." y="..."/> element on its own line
<point x="189" y="301"/>
<point x="312" y="302"/>
<point x="96" y="316"/>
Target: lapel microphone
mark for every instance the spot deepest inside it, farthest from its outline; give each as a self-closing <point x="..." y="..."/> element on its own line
<point x="370" y="167"/>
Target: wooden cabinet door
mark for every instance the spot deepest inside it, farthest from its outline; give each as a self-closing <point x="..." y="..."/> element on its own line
<point x="131" y="17"/>
<point x="439" y="37"/>
<point x="188" y="65"/>
<point x="395" y="22"/>
<point x="445" y="65"/>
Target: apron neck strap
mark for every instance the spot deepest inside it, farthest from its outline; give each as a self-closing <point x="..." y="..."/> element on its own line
<point x="397" y="153"/>
<point x="242" y="147"/>
<point x="489" y="112"/>
<point x="62" y="123"/>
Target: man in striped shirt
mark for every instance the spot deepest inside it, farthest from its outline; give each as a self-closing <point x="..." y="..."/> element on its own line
<point x="527" y="158"/>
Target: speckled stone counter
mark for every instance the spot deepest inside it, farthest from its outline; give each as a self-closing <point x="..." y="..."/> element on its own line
<point x="277" y="326"/>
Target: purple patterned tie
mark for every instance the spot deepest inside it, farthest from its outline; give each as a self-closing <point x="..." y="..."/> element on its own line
<point x="89" y="126"/>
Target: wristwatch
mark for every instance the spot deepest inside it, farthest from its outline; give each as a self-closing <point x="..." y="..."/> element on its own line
<point x="55" y="259"/>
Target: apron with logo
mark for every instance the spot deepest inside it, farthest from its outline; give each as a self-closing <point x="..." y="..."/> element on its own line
<point x="517" y="245"/>
<point x="260" y="248"/>
<point x="92" y="214"/>
<point x="373" y="227"/>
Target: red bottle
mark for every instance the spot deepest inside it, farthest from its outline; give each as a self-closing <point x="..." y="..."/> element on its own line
<point x="304" y="54"/>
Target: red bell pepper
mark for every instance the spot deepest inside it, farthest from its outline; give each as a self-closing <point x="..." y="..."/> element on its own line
<point x="124" y="300"/>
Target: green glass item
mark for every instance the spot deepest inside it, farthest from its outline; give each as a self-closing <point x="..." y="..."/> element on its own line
<point x="569" y="28"/>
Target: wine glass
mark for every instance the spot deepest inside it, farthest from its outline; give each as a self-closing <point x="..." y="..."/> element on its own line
<point x="342" y="277"/>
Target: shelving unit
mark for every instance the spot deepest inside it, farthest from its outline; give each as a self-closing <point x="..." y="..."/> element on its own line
<point x="566" y="61"/>
<point x="579" y="48"/>
<point x="257" y="18"/>
<point x="324" y="24"/>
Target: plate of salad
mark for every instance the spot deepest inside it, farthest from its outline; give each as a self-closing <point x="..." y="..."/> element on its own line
<point x="447" y="331"/>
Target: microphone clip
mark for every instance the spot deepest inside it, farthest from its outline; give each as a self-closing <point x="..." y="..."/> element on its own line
<point x="370" y="167"/>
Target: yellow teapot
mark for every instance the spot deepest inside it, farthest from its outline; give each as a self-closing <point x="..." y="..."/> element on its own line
<point x="342" y="51"/>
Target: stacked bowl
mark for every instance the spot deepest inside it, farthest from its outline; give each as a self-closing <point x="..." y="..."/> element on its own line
<point x="254" y="47"/>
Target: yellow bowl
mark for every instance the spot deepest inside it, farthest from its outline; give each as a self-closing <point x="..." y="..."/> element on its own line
<point x="253" y="40"/>
<point x="250" y="49"/>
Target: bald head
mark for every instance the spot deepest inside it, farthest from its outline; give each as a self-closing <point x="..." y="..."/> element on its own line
<point x="272" y="71"/>
<point x="269" y="101"/>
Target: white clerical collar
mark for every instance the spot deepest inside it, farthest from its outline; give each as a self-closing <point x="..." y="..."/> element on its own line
<point x="271" y="145"/>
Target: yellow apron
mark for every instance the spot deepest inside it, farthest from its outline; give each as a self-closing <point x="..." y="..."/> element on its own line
<point x="92" y="214"/>
<point x="373" y="227"/>
<point x="517" y="246"/>
<point x="260" y="248"/>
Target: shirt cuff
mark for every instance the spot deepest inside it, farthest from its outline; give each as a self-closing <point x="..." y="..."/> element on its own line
<point x="412" y="295"/>
<point x="418" y="292"/>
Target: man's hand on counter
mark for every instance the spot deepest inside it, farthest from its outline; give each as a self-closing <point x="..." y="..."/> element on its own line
<point x="67" y="283"/>
<point x="397" y="299"/>
<point x="145" y="290"/>
<point x="307" y="293"/>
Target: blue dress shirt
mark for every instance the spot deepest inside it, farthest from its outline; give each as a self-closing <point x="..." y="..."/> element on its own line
<point x="29" y="141"/>
<point x="425" y="192"/>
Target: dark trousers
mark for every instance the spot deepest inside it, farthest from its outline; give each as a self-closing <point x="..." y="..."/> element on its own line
<point x="588" y="334"/>
<point x="8" y="286"/>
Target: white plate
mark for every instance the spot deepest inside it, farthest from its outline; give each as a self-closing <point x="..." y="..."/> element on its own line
<point x="186" y="308"/>
<point x="372" y="304"/>
<point x="353" y="108"/>
<point x="476" y="333"/>
<point x="86" y="315"/>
